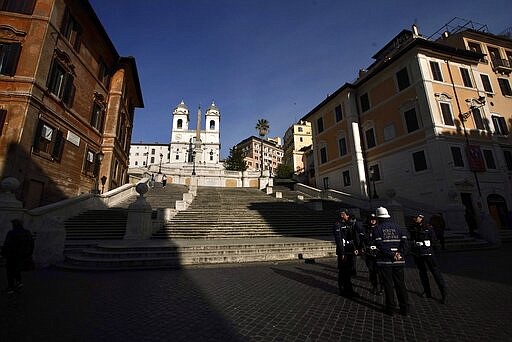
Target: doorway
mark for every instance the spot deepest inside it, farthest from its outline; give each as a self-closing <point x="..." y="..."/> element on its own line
<point x="498" y="211"/>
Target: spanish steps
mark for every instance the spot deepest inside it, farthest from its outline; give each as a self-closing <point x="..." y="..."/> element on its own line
<point x="222" y="225"/>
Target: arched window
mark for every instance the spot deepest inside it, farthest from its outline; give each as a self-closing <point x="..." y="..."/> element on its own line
<point x="212" y="124"/>
<point x="180" y="123"/>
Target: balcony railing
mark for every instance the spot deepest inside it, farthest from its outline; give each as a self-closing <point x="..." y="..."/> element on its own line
<point x="502" y="65"/>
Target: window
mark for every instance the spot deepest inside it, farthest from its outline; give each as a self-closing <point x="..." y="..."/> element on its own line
<point x="97" y="117"/>
<point x="447" y="114"/>
<point x="505" y="86"/>
<point x="477" y="116"/>
<point x="153" y="151"/>
<point x="177" y="157"/>
<point x="326" y="182"/>
<point x="338" y="113"/>
<point x="9" y="55"/>
<point x="365" y="102"/>
<point x="500" y="125"/>
<point x="136" y="163"/>
<point x="60" y="83"/>
<point x="389" y="132"/>
<point x="17" y="6"/>
<point x="346" y="178"/>
<point x="486" y="82"/>
<point x="473" y="46"/>
<point x="299" y="129"/>
<point x="180" y="123"/>
<point x="436" y="71"/>
<point x="323" y="155"/>
<point x="508" y="159"/>
<point x="71" y="30"/>
<point x="466" y="79"/>
<point x="402" y="79"/>
<point x="374" y="172"/>
<point x="370" y="138"/>
<point x="420" y="162"/>
<point x="301" y="139"/>
<point x="320" y="125"/>
<point x="411" y="120"/>
<point x="48" y="140"/>
<point x="457" y="156"/>
<point x="489" y="159"/>
<point x="152" y="160"/>
<point x="342" y="144"/>
<point x="103" y="74"/>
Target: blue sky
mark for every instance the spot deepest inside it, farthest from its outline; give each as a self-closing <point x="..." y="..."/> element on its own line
<point x="272" y="59"/>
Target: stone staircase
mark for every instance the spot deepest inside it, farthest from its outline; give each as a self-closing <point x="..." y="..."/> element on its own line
<point x="218" y="213"/>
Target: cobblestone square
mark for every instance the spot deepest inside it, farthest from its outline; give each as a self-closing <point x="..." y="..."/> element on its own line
<point x="290" y="301"/>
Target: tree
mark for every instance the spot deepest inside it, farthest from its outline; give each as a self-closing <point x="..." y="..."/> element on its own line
<point x="235" y="161"/>
<point x="284" y="171"/>
<point x="262" y="126"/>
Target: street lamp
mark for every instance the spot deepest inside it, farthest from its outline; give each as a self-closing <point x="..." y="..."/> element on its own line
<point x="99" y="158"/>
<point x="463" y="117"/>
<point x="193" y="163"/>
<point x="103" y="181"/>
<point x="160" y="166"/>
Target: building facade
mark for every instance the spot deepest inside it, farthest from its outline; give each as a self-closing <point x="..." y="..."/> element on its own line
<point x="427" y="122"/>
<point x="199" y="145"/>
<point x="296" y="138"/>
<point x="272" y="153"/>
<point x="67" y="101"/>
<point x="148" y="154"/>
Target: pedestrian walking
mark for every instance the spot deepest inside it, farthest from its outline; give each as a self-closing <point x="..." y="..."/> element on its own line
<point x="370" y="254"/>
<point x="437" y="222"/>
<point x="17" y="250"/>
<point x="391" y="243"/>
<point x="164" y="180"/>
<point x="347" y="242"/>
<point x="423" y="237"/>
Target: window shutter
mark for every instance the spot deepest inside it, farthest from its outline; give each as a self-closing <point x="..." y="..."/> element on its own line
<point x="3" y="115"/>
<point x="13" y="53"/>
<point x="37" y="137"/>
<point x="69" y="91"/>
<point x="58" y="146"/>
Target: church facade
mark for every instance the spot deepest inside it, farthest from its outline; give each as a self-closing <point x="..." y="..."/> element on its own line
<point x="199" y="145"/>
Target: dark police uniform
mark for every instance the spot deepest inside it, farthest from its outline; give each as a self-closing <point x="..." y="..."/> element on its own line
<point x="391" y="243"/>
<point x="369" y="256"/>
<point x="423" y="238"/>
<point x="347" y="242"/>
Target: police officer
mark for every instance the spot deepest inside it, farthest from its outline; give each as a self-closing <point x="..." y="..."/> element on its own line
<point x="423" y="237"/>
<point x="347" y="242"/>
<point x="391" y="243"/>
<point x="370" y="253"/>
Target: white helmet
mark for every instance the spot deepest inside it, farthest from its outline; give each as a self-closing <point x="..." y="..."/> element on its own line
<point x="382" y="212"/>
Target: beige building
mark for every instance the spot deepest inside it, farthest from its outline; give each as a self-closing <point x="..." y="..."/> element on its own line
<point x="296" y="138"/>
<point x="272" y="153"/>
<point x="427" y="123"/>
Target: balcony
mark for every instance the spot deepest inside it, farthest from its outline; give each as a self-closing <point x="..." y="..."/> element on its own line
<point x="502" y="65"/>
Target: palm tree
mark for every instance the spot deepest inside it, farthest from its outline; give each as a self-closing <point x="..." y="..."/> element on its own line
<point x="262" y="127"/>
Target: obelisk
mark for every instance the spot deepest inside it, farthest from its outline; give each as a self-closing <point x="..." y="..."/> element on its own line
<point x="197" y="147"/>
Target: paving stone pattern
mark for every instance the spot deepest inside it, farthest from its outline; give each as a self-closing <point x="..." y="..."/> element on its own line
<point x="293" y="301"/>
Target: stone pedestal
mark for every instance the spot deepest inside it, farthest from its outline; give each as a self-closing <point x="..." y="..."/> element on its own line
<point x="487" y="228"/>
<point x="279" y="194"/>
<point x="139" y="225"/>
<point x="454" y="219"/>
<point x="269" y="190"/>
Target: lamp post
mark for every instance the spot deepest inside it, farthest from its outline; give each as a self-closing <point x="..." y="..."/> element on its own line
<point x="463" y="117"/>
<point x="147" y="156"/>
<point x="193" y="163"/>
<point x="160" y="165"/>
<point x="99" y="158"/>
